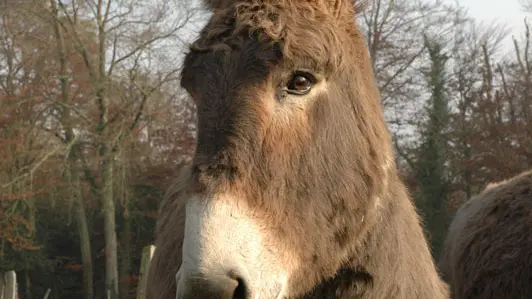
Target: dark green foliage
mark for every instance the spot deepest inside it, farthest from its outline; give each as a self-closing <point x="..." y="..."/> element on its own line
<point x="430" y="168"/>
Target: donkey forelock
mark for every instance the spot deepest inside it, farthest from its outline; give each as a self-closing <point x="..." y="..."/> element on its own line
<point x="293" y="165"/>
<point x="306" y="29"/>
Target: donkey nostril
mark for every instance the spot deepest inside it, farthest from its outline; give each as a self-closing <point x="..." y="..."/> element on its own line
<point x="241" y="290"/>
<point x="222" y="286"/>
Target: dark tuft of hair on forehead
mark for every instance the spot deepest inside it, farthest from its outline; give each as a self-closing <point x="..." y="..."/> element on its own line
<point x="304" y="29"/>
<point x="359" y="5"/>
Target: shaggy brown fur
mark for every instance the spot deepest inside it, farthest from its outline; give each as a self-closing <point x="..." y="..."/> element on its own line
<point x="319" y="174"/>
<point x="488" y="251"/>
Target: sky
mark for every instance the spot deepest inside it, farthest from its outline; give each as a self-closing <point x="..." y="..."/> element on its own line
<point x="506" y="11"/>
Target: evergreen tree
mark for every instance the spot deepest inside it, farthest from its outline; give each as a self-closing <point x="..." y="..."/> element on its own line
<point x="430" y="165"/>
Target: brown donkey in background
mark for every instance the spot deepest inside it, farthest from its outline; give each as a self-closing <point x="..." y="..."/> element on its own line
<point x="293" y="190"/>
<point x="488" y="250"/>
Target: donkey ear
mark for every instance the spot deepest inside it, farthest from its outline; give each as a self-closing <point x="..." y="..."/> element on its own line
<point x="217" y="4"/>
<point x="349" y="8"/>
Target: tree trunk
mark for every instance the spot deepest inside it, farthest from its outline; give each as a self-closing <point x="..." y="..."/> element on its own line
<point x="108" y="204"/>
<point x="27" y="282"/>
<point x="125" y="256"/>
<point x="84" y="237"/>
<point x="74" y="173"/>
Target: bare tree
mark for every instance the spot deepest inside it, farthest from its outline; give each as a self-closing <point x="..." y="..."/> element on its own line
<point x="122" y="46"/>
<point x="394" y="31"/>
<point x="471" y="44"/>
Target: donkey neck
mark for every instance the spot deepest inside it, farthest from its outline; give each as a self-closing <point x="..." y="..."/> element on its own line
<point x="399" y="260"/>
<point x="394" y="262"/>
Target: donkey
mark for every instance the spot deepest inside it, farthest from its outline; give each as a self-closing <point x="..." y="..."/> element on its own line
<point x="488" y="249"/>
<point x="293" y="191"/>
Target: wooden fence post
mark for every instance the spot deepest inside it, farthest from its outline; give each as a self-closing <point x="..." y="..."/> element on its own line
<point x="8" y="285"/>
<point x="147" y="254"/>
<point x="2" y="285"/>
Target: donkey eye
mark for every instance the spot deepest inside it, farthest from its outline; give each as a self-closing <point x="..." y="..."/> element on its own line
<point x="300" y="84"/>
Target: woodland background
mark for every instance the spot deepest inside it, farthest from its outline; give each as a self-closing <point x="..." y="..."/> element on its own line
<point x="94" y="125"/>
